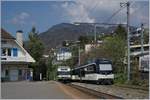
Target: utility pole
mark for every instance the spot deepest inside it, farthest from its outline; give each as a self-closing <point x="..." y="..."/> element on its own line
<point x="79" y="55"/>
<point x="128" y="35"/>
<point x="142" y="30"/>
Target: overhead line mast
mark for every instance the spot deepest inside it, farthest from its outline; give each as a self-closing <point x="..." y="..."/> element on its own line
<point x="127" y="4"/>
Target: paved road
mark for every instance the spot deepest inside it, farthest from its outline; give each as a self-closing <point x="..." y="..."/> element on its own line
<point x="40" y="90"/>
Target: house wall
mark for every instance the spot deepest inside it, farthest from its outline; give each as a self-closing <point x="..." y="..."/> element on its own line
<point x="24" y="75"/>
<point x="64" y="56"/>
<point x="144" y="63"/>
<point x="12" y="44"/>
<point x="14" y="60"/>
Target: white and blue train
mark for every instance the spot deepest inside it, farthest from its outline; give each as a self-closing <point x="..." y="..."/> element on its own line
<point x="63" y="74"/>
<point x="99" y="71"/>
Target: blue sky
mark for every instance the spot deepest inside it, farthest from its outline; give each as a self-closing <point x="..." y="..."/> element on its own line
<point x="23" y="15"/>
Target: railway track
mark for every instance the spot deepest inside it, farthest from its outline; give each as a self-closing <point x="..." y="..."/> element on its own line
<point x="133" y="87"/>
<point x="95" y="93"/>
<point x="111" y="91"/>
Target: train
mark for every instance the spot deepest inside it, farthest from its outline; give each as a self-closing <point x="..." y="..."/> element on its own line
<point x="64" y="73"/>
<point x="99" y="71"/>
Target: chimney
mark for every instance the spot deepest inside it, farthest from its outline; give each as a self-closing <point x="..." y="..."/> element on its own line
<point x="19" y="37"/>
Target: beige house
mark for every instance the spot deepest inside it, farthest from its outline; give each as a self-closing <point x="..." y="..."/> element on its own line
<point x="14" y="58"/>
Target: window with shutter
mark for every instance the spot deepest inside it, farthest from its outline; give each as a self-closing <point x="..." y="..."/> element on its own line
<point x="15" y="52"/>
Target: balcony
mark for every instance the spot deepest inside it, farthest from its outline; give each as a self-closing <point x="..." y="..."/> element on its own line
<point x="12" y="59"/>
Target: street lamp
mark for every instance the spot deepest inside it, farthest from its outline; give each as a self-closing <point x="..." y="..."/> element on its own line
<point x="95" y="33"/>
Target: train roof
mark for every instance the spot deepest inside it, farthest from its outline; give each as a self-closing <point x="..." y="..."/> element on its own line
<point x="100" y="60"/>
<point x="85" y="65"/>
<point x="63" y="67"/>
<point x="95" y="61"/>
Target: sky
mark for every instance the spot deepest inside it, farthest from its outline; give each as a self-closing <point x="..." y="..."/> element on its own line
<point x="22" y="15"/>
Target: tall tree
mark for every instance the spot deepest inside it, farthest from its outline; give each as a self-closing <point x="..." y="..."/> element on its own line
<point x="121" y="32"/>
<point x="114" y="48"/>
<point x="36" y="49"/>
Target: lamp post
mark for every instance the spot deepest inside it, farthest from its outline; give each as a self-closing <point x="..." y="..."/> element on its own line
<point x="79" y="55"/>
<point x="95" y="33"/>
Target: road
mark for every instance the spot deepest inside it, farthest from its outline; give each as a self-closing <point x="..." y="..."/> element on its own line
<point x="41" y="90"/>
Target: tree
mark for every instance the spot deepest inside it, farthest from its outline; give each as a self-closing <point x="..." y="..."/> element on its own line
<point x="36" y="49"/>
<point x="50" y="69"/>
<point x="84" y="40"/>
<point x="114" y="48"/>
<point x="121" y="32"/>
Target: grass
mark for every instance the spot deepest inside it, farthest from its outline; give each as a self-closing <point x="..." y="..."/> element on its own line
<point x="136" y="82"/>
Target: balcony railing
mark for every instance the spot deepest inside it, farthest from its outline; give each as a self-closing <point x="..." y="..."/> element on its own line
<point x="9" y="58"/>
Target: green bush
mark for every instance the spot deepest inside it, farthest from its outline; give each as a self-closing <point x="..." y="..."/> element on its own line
<point x="139" y="82"/>
<point x="120" y="78"/>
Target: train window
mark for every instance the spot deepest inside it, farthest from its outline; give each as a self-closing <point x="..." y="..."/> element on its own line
<point x="91" y="69"/>
<point x="63" y="73"/>
<point x="85" y="69"/>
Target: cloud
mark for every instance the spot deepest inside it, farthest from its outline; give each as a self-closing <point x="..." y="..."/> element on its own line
<point x="89" y="10"/>
<point x="77" y="12"/>
<point x="101" y="10"/>
<point x="20" y="19"/>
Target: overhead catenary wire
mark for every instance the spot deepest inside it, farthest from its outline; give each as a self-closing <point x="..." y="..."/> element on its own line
<point x="110" y="18"/>
<point x="114" y="14"/>
<point x="94" y="7"/>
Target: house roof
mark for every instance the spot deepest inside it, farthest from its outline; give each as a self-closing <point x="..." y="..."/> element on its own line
<point x="6" y="35"/>
<point x="28" y="58"/>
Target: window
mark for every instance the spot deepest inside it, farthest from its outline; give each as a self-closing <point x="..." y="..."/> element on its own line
<point x="6" y="52"/>
<point x="91" y="69"/>
<point x="105" y="67"/>
<point x="3" y="53"/>
<point x="15" y="52"/>
<point x="20" y="72"/>
<point x="63" y="73"/>
<point x="6" y="72"/>
<point x="9" y="51"/>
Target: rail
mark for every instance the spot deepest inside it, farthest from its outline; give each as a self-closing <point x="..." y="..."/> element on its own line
<point x="94" y="92"/>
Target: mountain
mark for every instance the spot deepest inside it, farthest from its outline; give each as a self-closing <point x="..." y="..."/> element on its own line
<point x="66" y="31"/>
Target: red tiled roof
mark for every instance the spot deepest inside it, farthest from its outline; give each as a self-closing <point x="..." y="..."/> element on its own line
<point x="6" y="35"/>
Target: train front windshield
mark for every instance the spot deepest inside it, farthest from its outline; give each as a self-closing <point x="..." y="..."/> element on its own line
<point x="105" y="68"/>
<point x="63" y="73"/>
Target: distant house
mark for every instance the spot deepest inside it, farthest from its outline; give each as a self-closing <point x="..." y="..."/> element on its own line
<point x="63" y="54"/>
<point x="14" y="58"/>
<point x="137" y="54"/>
<point x="89" y="47"/>
<point x="142" y="58"/>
